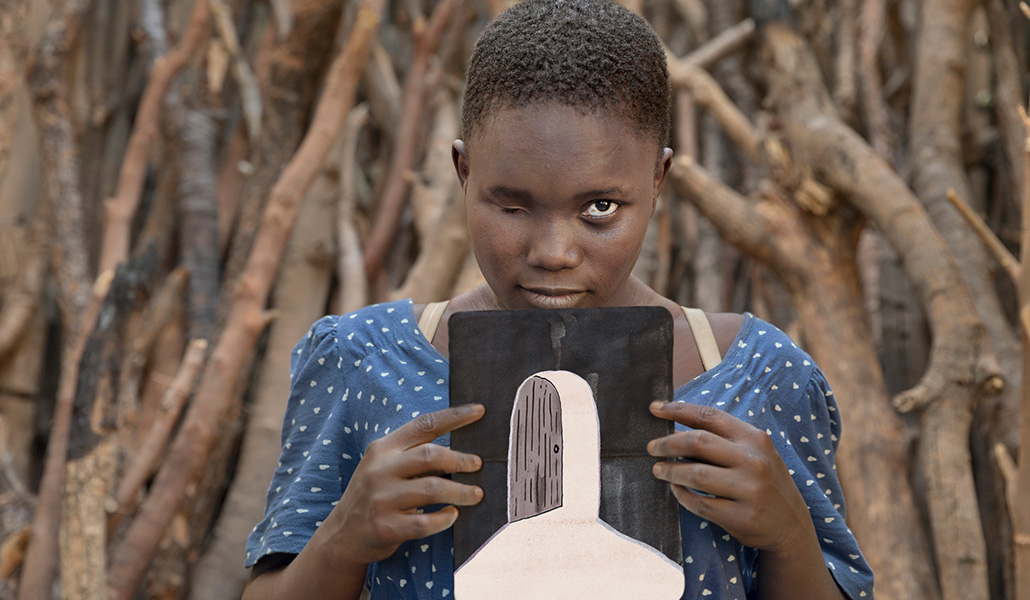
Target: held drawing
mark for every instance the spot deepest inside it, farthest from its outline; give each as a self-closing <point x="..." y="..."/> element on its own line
<point x="579" y="380"/>
<point x="554" y="542"/>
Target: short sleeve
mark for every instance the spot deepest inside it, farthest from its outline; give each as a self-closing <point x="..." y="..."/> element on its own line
<point x="307" y="480"/>
<point x="811" y="431"/>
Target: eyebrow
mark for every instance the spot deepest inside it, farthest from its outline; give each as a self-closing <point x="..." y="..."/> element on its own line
<point x="511" y="193"/>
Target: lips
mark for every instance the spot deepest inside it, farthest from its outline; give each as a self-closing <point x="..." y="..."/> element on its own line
<point x="552" y="297"/>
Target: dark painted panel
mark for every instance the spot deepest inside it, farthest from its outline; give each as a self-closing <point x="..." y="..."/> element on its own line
<point x="624" y="354"/>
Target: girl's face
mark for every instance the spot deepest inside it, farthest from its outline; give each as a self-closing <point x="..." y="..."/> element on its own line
<point x="558" y="204"/>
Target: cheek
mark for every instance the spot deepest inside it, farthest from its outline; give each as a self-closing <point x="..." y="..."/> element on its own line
<point x="492" y="242"/>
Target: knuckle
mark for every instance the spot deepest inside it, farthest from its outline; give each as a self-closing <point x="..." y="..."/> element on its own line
<point x="374" y="448"/>
<point x="426" y="455"/>
<point x="757" y="465"/>
<point x="697" y="477"/>
<point x="383" y="531"/>
<point x="422" y="526"/>
<point x="431" y="486"/>
<point x="702" y="508"/>
<point x="425" y="422"/>
<point x="700" y="439"/>
<point x="708" y="414"/>
<point x="763" y="441"/>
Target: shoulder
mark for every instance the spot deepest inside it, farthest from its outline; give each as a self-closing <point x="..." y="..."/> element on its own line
<point x="725" y="326"/>
<point x="761" y="367"/>
<point x="378" y="321"/>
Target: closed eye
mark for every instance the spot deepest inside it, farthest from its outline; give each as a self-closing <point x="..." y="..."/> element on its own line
<point x="602" y="208"/>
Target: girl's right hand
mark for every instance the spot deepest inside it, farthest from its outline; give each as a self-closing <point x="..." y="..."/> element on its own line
<point x="398" y="475"/>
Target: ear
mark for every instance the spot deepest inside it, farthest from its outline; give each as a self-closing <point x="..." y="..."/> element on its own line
<point x="661" y="169"/>
<point x="461" y="162"/>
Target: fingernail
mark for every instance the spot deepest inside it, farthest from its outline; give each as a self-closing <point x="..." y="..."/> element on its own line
<point x="474" y="408"/>
<point x="656" y="405"/>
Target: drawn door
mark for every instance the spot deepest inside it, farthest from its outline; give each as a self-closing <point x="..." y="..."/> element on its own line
<point x="535" y="451"/>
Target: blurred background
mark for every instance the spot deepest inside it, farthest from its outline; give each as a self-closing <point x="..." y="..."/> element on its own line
<point x="186" y="185"/>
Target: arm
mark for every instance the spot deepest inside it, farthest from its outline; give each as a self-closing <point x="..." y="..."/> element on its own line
<point x="378" y="511"/>
<point x="753" y="497"/>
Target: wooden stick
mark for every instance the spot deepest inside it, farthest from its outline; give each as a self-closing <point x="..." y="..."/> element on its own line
<point x="1021" y="512"/>
<point x="846" y="91"/>
<point x="1007" y="90"/>
<point x="719" y="47"/>
<point x="197" y="437"/>
<point x="391" y="203"/>
<point x="148" y="457"/>
<point x="350" y="267"/>
<point x="47" y="78"/>
<point x="120" y="209"/>
<point x="250" y="95"/>
<point x="162" y="308"/>
<point x="709" y="95"/>
<point x="874" y="110"/>
<point x="996" y="247"/>
<point x="15" y="315"/>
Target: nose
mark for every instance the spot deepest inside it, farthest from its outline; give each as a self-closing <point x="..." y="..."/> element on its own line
<point x="554" y="247"/>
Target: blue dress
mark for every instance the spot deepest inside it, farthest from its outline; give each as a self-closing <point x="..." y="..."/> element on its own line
<point x="357" y="377"/>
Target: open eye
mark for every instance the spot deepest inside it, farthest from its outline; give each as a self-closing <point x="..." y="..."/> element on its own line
<point x="602" y="208"/>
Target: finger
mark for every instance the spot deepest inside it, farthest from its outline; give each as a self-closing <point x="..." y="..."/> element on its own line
<point x="424" y="491"/>
<point x="716" y="510"/>
<point x="433" y="459"/>
<point x="717" y="481"/>
<point x="419" y="525"/>
<point x="429" y="426"/>
<point x="697" y="444"/>
<point x="708" y="418"/>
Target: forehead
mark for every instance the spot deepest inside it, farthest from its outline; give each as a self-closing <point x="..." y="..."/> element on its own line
<point x="558" y="130"/>
<point x="556" y="151"/>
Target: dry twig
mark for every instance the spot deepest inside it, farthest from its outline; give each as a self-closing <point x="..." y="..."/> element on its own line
<point x="997" y="248"/>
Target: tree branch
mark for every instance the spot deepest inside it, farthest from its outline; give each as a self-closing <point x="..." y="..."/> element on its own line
<point x="120" y="209"/>
<point x="962" y="362"/>
<point x="709" y="95"/>
<point x="391" y="203"/>
<point x="148" y="457"/>
<point x="20" y="303"/>
<point x="47" y="77"/>
<point x="350" y="267"/>
<point x="197" y="437"/>
<point x="991" y="241"/>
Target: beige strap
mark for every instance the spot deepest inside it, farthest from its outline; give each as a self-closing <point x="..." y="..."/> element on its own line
<point x="430" y="318"/>
<point x="703" y="337"/>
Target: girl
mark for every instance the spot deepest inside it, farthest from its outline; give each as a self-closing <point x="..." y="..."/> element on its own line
<point x="562" y="157"/>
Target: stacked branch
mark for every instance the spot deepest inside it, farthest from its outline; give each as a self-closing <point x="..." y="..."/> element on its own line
<point x="1018" y="270"/>
<point x="247" y="320"/>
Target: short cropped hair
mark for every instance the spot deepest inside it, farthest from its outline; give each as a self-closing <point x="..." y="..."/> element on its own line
<point x="592" y="55"/>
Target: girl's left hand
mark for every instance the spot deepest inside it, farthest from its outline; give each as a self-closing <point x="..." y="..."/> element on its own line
<point x="753" y="496"/>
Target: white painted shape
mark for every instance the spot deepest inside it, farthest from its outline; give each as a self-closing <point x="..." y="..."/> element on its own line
<point x="569" y="552"/>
